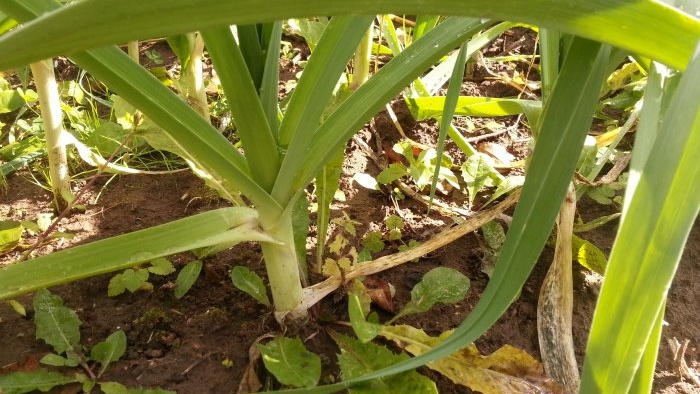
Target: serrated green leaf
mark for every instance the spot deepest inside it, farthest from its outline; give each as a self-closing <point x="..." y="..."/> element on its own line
<point x="186" y="278"/>
<point x="372" y="241"/>
<point x="475" y="172"/>
<point x="58" y="361"/>
<point x="109" y="350"/>
<point x="250" y="283"/>
<point x="289" y="361"/>
<point x="130" y="279"/>
<point x="10" y="233"/>
<point x="26" y="382"/>
<point x="161" y="266"/>
<point x="56" y="324"/>
<point x="357" y="359"/>
<point x="440" y="285"/>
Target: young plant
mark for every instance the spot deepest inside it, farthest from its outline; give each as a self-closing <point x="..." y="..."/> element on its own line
<point x="59" y="327"/>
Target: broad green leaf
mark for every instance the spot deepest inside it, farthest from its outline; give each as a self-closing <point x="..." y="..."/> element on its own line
<point x="182" y="46"/>
<point x="508" y="185"/>
<point x="439" y="285"/>
<point x="10" y="234"/>
<point x="589" y="255"/>
<point x="358" y="359"/>
<point x="56" y="324"/>
<point x="432" y="107"/>
<point x="475" y="172"/>
<point x="289" y="361"/>
<point x="59" y="361"/>
<point x="161" y="266"/>
<point x="655" y="30"/>
<point x="186" y="278"/>
<point x="507" y="370"/>
<point x="27" y="382"/>
<point x="250" y="283"/>
<point x="109" y="350"/>
<point x="661" y="206"/>
<point x="124" y="251"/>
<point x="10" y="100"/>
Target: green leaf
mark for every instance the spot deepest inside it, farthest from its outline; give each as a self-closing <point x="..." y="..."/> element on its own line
<point x="117" y="253"/>
<point x="475" y="172"/>
<point x="118" y="388"/>
<point x="372" y="241"/>
<point x="186" y="278"/>
<point x="589" y="255"/>
<point x="26" y="382"/>
<point x="250" y="283"/>
<point x="59" y="361"/>
<point x="365" y="326"/>
<point x="433" y="107"/>
<point x="440" y="285"/>
<point x="392" y="173"/>
<point x="326" y="185"/>
<point x="56" y="324"/>
<point x="289" y="361"/>
<point x="130" y="279"/>
<point x="161" y="266"/>
<point x="10" y="100"/>
<point x="358" y="359"/>
<point x="10" y="234"/>
<point x="109" y="350"/>
<point x="493" y="235"/>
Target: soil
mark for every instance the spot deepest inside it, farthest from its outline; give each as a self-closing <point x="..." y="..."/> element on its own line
<point x="201" y="343"/>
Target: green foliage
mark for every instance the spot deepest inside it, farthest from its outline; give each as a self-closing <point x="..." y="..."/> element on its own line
<point x="440" y="285"/>
<point x="359" y="359"/>
<point x="56" y="324"/>
<point x="59" y="327"/>
<point x="250" y="283"/>
<point x="186" y="278"/>
<point x="289" y="361"/>
<point x="10" y="234"/>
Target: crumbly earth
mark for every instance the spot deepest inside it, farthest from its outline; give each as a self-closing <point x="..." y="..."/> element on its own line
<point x="201" y="343"/>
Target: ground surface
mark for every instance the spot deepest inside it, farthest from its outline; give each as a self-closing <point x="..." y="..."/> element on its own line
<point x="181" y="344"/>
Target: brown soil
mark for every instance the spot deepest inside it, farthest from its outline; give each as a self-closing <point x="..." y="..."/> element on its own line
<point x="183" y="344"/>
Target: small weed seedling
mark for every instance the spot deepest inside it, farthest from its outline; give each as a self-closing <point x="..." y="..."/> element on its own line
<point x="59" y="327"/>
<point x="137" y="278"/>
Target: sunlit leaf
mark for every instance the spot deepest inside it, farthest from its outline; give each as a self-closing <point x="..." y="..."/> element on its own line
<point x="10" y="234"/>
<point x="161" y="266"/>
<point x="589" y="255"/>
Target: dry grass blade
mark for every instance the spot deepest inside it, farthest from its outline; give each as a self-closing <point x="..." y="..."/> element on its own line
<point x="555" y="305"/>
<point x="317" y="292"/>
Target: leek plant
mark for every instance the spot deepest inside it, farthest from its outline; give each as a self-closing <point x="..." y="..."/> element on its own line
<point x="662" y="200"/>
<point x="52" y="117"/>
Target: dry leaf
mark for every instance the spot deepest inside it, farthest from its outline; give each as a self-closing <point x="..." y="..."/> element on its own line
<point x="507" y="370"/>
<point x="381" y="292"/>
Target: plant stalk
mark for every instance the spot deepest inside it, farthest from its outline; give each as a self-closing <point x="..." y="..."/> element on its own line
<point x="194" y="78"/>
<point x="360" y="62"/>
<point x="283" y="269"/>
<point x="52" y="116"/>
<point x="133" y="50"/>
